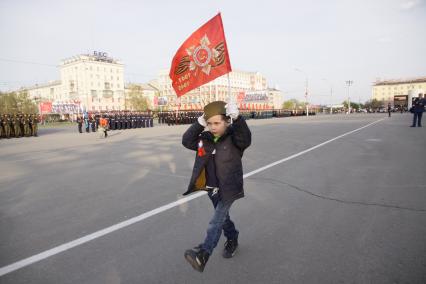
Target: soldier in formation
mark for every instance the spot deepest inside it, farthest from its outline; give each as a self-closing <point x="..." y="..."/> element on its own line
<point x="18" y="125"/>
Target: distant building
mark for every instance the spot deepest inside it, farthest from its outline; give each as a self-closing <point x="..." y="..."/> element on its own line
<point x="398" y="91"/>
<point x="93" y="82"/>
<point x="50" y="91"/>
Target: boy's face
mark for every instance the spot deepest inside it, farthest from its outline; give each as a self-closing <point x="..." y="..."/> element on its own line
<point x="217" y="125"/>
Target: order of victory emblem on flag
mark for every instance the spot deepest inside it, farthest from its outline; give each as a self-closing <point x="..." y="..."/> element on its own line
<point x="202" y="58"/>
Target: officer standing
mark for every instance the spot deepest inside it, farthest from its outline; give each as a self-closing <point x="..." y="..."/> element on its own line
<point x="35" y="125"/>
<point x="16" y="125"/>
<point x="86" y="123"/>
<point x="417" y="109"/>
<point x="97" y="117"/>
<point x="1" y="126"/>
<point x="112" y="121"/>
<point x="26" y="122"/>
<point x="151" y="120"/>
<point x="80" y="124"/>
<point x="30" y="125"/>
<point x="93" y="123"/>
<point x="5" y="126"/>
<point x="119" y="121"/>
<point x="124" y="122"/>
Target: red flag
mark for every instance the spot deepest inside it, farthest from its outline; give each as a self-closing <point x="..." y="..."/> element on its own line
<point x="202" y="58"/>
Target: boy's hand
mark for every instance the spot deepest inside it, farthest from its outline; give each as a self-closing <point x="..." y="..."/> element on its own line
<point x="232" y="110"/>
<point x="202" y="121"/>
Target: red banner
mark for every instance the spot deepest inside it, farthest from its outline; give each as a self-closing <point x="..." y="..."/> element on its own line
<point x="202" y="58"/>
<point x="45" y="107"/>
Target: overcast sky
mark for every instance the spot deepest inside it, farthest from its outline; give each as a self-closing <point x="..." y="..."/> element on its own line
<point x="332" y="40"/>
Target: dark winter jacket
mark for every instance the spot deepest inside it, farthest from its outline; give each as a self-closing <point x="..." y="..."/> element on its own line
<point x="229" y="151"/>
<point x="418" y="105"/>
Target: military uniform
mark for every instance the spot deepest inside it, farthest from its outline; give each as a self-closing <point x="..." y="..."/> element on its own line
<point x="6" y="126"/>
<point x="35" y="125"/>
<point x="16" y="126"/>
<point x="92" y="123"/>
<point x="112" y="121"/>
<point x="1" y="126"/>
<point x="80" y="124"/>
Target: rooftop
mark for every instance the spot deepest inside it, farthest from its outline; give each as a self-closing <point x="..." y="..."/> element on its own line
<point x="95" y="56"/>
<point x="400" y="81"/>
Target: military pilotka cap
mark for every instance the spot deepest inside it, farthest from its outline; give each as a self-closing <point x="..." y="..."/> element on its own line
<point x="214" y="108"/>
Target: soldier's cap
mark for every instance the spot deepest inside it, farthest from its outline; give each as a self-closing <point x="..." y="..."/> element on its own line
<point x="214" y="108"/>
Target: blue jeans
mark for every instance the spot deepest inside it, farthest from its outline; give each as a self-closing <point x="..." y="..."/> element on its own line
<point x="220" y="221"/>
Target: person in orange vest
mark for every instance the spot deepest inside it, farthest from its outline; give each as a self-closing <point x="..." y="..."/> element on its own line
<point x="104" y="124"/>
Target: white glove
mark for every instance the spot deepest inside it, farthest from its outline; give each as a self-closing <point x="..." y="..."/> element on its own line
<point x="202" y="121"/>
<point x="232" y="110"/>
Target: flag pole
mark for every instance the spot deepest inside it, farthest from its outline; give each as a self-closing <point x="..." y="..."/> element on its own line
<point x="230" y="99"/>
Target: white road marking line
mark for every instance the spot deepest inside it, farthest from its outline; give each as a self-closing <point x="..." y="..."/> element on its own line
<point x="64" y="247"/>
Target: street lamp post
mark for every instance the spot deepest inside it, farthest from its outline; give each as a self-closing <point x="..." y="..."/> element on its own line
<point x="331" y="95"/>
<point x="306" y="90"/>
<point x="349" y="83"/>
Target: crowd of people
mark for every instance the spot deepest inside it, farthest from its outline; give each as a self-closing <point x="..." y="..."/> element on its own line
<point x="18" y="125"/>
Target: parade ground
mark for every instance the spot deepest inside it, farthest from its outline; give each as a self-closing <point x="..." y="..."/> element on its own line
<point x="329" y="199"/>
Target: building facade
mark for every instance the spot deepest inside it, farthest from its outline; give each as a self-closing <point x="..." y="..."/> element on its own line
<point x="250" y="89"/>
<point x="51" y="91"/>
<point x="398" y="91"/>
<point x="95" y="80"/>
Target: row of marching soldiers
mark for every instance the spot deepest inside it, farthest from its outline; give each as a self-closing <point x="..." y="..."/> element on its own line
<point x="178" y="118"/>
<point x="18" y="125"/>
<point x="189" y="117"/>
<point x="116" y="121"/>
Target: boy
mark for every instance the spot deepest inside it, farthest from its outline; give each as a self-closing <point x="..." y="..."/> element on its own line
<point x="218" y="170"/>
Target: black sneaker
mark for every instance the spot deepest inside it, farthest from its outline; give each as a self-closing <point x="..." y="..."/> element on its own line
<point x="230" y="248"/>
<point x="197" y="257"/>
